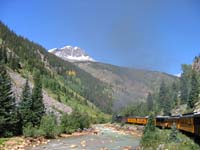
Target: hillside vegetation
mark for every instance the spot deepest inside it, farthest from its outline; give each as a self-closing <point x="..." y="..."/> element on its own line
<point x="62" y="78"/>
<point x="42" y="95"/>
<point x="129" y="85"/>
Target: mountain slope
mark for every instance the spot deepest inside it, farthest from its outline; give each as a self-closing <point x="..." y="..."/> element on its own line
<point x="60" y="77"/>
<point x="128" y="85"/>
<point x="50" y="103"/>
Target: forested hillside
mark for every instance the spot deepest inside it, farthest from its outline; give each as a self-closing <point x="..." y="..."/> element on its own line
<point x="129" y="85"/>
<point x="179" y="97"/>
<point x="42" y="95"/>
<point x="62" y="78"/>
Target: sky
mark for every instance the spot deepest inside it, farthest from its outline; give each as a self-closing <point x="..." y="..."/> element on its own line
<point x="157" y="35"/>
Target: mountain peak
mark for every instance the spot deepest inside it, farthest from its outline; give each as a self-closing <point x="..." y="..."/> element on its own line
<point x="70" y="53"/>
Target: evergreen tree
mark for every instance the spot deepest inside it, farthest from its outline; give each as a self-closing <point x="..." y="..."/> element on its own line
<point x="164" y="99"/>
<point x="185" y="83"/>
<point x="194" y="93"/>
<point x="162" y="94"/>
<point x="174" y="93"/>
<point x="13" y="61"/>
<point x="25" y="106"/>
<point x="8" y="117"/>
<point x="173" y="137"/>
<point x="149" y="102"/>
<point x="150" y="126"/>
<point x="3" y="55"/>
<point x="58" y="98"/>
<point x="38" y="105"/>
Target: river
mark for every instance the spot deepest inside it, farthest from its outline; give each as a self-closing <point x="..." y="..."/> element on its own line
<point x="106" y="139"/>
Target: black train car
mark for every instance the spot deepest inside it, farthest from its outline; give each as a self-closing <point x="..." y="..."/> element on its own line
<point x="197" y="124"/>
<point x="161" y="121"/>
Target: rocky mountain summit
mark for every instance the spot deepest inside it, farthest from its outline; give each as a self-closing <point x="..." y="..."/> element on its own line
<point x="72" y="54"/>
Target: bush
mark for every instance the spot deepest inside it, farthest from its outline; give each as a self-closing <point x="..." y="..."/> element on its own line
<point x="150" y="126"/>
<point x="71" y="123"/>
<point x="2" y="140"/>
<point x="8" y="134"/>
<point x="173" y="137"/>
<point x="49" y="126"/>
<point x="153" y="140"/>
<point x="30" y="131"/>
<point x="68" y="124"/>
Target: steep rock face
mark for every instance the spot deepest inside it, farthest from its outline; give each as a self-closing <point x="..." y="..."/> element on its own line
<point x="51" y="105"/>
<point x="72" y="54"/>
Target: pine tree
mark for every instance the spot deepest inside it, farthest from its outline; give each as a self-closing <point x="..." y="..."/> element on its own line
<point x="3" y="55"/>
<point x="194" y="93"/>
<point x="164" y="99"/>
<point x="38" y="105"/>
<point x="174" y="93"/>
<point x="149" y="102"/>
<point x="58" y="98"/>
<point x="150" y="127"/>
<point x="13" y="61"/>
<point x="161" y="94"/>
<point x="25" y="106"/>
<point x="185" y="83"/>
<point x="173" y="137"/>
<point x="8" y="117"/>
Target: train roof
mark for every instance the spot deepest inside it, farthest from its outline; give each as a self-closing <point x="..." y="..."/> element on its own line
<point x="162" y="116"/>
<point x="174" y="117"/>
<point x="190" y="113"/>
<point x="197" y="114"/>
<point x="137" y="117"/>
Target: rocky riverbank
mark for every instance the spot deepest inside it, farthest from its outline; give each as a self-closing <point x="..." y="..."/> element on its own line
<point x="135" y="130"/>
<point x="21" y="143"/>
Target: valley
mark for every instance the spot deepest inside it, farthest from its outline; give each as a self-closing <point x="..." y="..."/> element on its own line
<point x="99" y="75"/>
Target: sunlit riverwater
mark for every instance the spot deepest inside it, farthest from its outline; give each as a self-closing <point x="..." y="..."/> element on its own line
<point x="107" y="138"/>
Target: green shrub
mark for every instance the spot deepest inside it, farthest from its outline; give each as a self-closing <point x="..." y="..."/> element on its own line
<point x="153" y="140"/>
<point x="37" y="132"/>
<point x="49" y="126"/>
<point x="68" y="125"/>
<point x="150" y="126"/>
<point x="30" y="131"/>
<point x="2" y="140"/>
<point x="8" y="134"/>
<point x="173" y="137"/>
<point x="71" y="123"/>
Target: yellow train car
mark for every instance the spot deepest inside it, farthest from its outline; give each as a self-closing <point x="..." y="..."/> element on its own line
<point x="132" y="120"/>
<point x="186" y="123"/>
<point x="142" y="120"/>
<point x="172" y="120"/>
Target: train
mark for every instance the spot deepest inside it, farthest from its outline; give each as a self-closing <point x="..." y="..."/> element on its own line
<point x="187" y="122"/>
